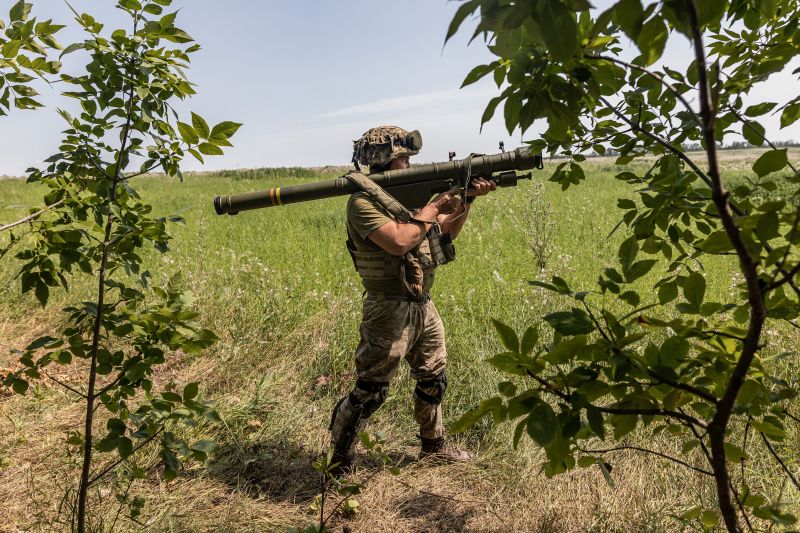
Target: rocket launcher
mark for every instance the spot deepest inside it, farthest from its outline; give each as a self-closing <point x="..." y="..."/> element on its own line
<point x="413" y="187"/>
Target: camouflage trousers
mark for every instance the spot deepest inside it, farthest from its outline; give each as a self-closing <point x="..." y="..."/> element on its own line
<point x="392" y="330"/>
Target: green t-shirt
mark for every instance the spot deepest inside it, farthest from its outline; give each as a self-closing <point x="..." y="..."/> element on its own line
<point x="365" y="215"/>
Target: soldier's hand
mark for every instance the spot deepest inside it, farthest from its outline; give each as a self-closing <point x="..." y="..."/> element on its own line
<point x="481" y="187"/>
<point x="446" y="202"/>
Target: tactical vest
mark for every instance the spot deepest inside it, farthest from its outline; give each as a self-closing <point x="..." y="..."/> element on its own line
<point x="434" y="250"/>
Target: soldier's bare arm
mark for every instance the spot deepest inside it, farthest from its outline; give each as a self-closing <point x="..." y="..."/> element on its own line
<point x="399" y="238"/>
<point x="453" y="222"/>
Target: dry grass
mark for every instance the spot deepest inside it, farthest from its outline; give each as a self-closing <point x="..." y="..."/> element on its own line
<point x="286" y="310"/>
<point x="261" y="478"/>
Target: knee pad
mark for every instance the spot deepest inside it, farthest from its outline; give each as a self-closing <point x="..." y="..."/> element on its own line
<point x="432" y="390"/>
<point x="376" y="393"/>
<point x="354" y="409"/>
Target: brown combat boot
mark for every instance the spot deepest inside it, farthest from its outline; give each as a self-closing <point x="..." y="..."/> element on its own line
<point x="345" y="464"/>
<point x="440" y="451"/>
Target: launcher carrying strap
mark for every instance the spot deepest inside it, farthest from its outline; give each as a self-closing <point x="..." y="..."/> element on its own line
<point x="379" y="194"/>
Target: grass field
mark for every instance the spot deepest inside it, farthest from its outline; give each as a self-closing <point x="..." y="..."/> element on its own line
<point x="279" y="289"/>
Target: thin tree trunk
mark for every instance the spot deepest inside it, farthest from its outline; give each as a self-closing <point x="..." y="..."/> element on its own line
<point x="90" y="394"/>
<point x="748" y="267"/>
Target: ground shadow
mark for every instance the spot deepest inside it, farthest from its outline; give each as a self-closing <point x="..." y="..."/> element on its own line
<point x="278" y="470"/>
<point x="282" y="470"/>
<point x="434" y="513"/>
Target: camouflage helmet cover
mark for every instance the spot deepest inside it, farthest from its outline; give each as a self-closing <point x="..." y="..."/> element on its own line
<point x="378" y="146"/>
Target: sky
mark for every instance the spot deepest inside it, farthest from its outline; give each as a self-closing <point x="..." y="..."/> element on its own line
<point x="307" y="77"/>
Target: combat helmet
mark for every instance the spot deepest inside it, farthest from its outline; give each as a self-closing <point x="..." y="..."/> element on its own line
<point x="380" y="145"/>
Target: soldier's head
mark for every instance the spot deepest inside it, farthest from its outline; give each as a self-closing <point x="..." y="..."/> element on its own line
<point x="386" y="148"/>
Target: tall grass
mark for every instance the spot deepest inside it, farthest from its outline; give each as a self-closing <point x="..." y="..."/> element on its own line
<point x="278" y="287"/>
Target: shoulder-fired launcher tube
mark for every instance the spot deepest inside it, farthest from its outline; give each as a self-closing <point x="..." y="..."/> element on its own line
<point x="519" y="159"/>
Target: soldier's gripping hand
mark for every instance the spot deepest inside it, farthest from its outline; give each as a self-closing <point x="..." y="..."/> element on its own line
<point x="481" y="187"/>
<point x="446" y="202"/>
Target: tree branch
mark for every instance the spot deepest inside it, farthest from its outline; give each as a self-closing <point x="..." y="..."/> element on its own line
<point x="719" y="195"/>
<point x="548" y="387"/>
<point x="786" y="278"/>
<point x="685" y="387"/>
<point x="645" y="450"/>
<point x="32" y="216"/>
<point x="676" y="152"/>
<point x="68" y="387"/>
<point x="113" y="465"/>
<point x="763" y="137"/>
<point x="656" y="76"/>
<point x="780" y="461"/>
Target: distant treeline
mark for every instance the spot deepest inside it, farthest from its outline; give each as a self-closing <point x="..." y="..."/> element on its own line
<point x="697" y="147"/>
<point x="280" y="172"/>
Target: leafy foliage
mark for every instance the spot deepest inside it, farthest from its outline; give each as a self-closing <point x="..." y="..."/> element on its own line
<point x="615" y="364"/>
<point x="98" y="224"/>
<point x="24" y="46"/>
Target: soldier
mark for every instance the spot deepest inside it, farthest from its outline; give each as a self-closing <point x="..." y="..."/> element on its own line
<point x="396" y="253"/>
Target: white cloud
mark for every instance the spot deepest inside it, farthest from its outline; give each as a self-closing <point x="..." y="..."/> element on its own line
<point x="462" y="98"/>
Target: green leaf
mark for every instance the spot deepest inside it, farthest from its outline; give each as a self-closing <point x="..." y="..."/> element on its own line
<point x="488" y="113"/>
<point x="717" y="242"/>
<point x="768" y="226"/>
<point x="42" y="292"/>
<point x="629" y="14"/>
<point x="133" y="5"/>
<point x="559" y="29"/>
<point x="476" y="74"/>
<point x="694" y="289"/>
<point x="606" y="473"/>
<point x="753" y="132"/>
<point x="630" y="297"/>
<point x="623" y="424"/>
<point x="627" y="252"/>
<point x="519" y="431"/>
<point x="74" y="47"/>
<point x="760" y="109"/>
<point x="171" y="464"/>
<point x="576" y="322"/>
<point x="507" y="336"/>
<point x="41" y="342"/>
<point x="223" y="131"/>
<point x="469" y="418"/>
<point x="107" y="443"/>
<point x="10" y="48"/>
<point x="205" y="446"/>
<point x="190" y="391"/>
<point x="200" y="126"/>
<point x="710" y="518"/>
<point x="462" y="13"/>
<point x="790" y="114"/>
<point x="565" y="349"/>
<point x="210" y="149"/>
<point x="734" y="453"/>
<point x="529" y="340"/>
<point x="771" y="161"/>
<point x="542" y="424"/>
<point x="509" y="362"/>
<point x="20" y="11"/>
<point x="667" y="292"/>
<point x="652" y="39"/>
<point x="124" y="447"/>
<point x="20" y="386"/>
<point x="639" y="269"/>
<point x="187" y="133"/>
<point x="595" y="419"/>
<point x="768" y="429"/>
<point x="507" y="389"/>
